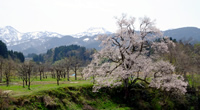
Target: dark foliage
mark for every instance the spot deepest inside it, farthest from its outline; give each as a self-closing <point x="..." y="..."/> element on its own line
<point x="61" y="52"/>
<point x="16" y="55"/>
<point x="3" y="50"/>
<point x="9" y="53"/>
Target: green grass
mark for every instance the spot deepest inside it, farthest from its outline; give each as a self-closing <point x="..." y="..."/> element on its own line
<point x="40" y="85"/>
<point x="76" y="97"/>
<point x="193" y="80"/>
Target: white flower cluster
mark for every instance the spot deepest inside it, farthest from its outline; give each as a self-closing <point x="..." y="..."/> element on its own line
<point x="129" y="56"/>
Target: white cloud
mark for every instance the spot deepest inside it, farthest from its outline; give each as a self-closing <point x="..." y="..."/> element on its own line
<point x="73" y="16"/>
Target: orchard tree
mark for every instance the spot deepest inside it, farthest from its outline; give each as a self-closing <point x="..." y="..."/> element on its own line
<point x="59" y="68"/>
<point x="1" y="68"/>
<point x="67" y="66"/>
<point x="29" y="68"/>
<point x="8" y="70"/>
<point x="41" y="70"/>
<point x="22" y="72"/>
<point x="75" y="65"/>
<point x="129" y="57"/>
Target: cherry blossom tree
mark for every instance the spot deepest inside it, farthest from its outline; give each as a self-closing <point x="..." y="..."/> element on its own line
<point x="130" y="57"/>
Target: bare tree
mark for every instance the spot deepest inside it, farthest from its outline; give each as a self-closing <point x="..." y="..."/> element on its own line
<point x="81" y="72"/>
<point x="8" y="69"/>
<point x="1" y="68"/>
<point x="51" y="69"/>
<point x="75" y="65"/>
<point x="67" y="66"/>
<point x="41" y="70"/>
<point x="59" y="68"/>
<point x="29" y="67"/>
<point x="22" y="71"/>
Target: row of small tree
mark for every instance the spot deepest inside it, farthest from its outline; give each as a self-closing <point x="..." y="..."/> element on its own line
<point x="63" y="67"/>
<point x="29" y="70"/>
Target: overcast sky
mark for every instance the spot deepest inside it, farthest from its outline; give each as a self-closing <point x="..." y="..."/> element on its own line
<point x="73" y="16"/>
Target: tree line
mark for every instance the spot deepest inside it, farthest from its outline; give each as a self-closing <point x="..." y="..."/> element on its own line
<point x="28" y="71"/>
<point x="58" y="53"/>
<point x="5" y="53"/>
<point x="70" y="58"/>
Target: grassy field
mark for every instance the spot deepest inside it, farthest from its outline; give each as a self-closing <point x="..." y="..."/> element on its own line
<point x="46" y="94"/>
<point x="77" y="95"/>
<point x="17" y="89"/>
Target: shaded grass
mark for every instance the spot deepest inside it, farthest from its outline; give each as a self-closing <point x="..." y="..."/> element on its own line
<point x="69" y="98"/>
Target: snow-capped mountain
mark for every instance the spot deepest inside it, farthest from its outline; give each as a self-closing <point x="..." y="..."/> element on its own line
<point x="12" y="37"/>
<point x="40" y="42"/>
<point x="91" y="32"/>
<point x="9" y="34"/>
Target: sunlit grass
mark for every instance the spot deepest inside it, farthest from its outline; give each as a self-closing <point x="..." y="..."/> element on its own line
<point x="40" y="85"/>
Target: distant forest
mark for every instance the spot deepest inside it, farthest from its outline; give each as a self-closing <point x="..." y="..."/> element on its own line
<point x="5" y="53"/>
<point x="59" y="53"/>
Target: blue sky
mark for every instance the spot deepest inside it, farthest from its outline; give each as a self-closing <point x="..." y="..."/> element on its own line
<point x="73" y="16"/>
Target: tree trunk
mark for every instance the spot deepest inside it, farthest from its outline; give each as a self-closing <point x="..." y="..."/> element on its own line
<point x="26" y="79"/>
<point x="43" y="75"/>
<point x="58" y="82"/>
<point x="58" y="76"/>
<point x="75" y="75"/>
<point x="23" y="83"/>
<point x="185" y="76"/>
<point x="126" y="90"/>
<point x="1" y="76"/>
<point x="7" y="81"/>
<point x="68" y="75"/>
<point x="93" y="79"/>
<point x="40" y="75"/>
<point x="29" y="81"/>
<point x="64" y="74"/>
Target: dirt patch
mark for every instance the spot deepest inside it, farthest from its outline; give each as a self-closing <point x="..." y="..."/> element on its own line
<point x="73" y="82"/>
<point x="7" y="92"/>
<point x="88" y="107"/>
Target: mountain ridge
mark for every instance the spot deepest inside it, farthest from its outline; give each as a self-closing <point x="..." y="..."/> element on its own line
<point x="41" y="41"/>
<point x="91" y="32"/>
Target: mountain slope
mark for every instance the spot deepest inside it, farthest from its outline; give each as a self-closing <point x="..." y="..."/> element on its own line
<point x="12" y="37"/>
<point x="184" y="33"/>
<point x="91" y="32"/>
<point x="40" y="42"/>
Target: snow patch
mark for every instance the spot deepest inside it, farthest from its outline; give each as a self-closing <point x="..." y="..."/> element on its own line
<point x="91" y="32"/>
<point x="13" y="37"/>
<point x="86" y="39"/>
<point x="96" y="38"/>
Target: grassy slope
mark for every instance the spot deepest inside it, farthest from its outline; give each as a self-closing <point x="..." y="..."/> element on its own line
<point x="68" y="98"/>
<point x="37" y="85"/>
<point x="75" y="95"/>
<point x="70" y="95"/>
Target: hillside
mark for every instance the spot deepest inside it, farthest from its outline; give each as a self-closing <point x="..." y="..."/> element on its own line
<point x="61" y="52"/>
<point x="184" y="33"/>
<point x="5" y="53"/>
<point x="40" y="42"/>
<point x="82" y="98"/>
